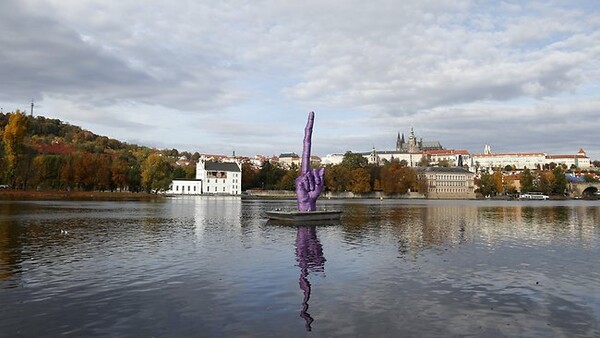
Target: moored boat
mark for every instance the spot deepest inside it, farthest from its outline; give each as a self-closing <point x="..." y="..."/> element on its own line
<point x="304" y="216"/>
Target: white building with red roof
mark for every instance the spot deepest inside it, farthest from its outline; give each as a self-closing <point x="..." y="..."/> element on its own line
<point x="579" y="160"/>
<point x="527" y="160"/>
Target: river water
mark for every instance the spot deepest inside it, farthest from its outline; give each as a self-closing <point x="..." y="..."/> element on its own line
<point x="214" y="267"/>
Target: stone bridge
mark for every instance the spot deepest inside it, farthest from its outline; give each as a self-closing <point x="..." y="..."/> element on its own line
<point x="583" y="189"/>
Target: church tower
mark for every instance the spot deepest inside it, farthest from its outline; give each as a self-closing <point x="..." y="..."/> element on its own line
<point x="412" y="142"/>
<point x="400" y="142"/>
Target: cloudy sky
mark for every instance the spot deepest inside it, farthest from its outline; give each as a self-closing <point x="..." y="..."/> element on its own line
<point x="218" y="76"/>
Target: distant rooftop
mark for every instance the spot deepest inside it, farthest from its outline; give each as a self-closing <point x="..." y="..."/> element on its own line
<point x="444" y="169"/>
<point x="222" y="166"/>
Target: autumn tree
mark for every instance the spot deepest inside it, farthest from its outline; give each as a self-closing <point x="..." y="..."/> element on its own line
<point x="498" y="182"/>
<point x="360" y="181"/>
<point x="546" y="182"/>
<point x="13" y="136"/>
<point x="249" y="175"/>
<point x="119" y="173"/>
<point x="337" y="178"/>
<point x="422" y="185"/>
<point x="398" y="179"/>
<point x="46" y="172"/>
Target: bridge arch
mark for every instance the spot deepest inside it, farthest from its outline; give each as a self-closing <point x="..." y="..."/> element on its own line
<point x="589" y="191"/>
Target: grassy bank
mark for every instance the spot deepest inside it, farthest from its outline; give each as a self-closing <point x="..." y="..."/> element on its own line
<point x="29" y="195"/>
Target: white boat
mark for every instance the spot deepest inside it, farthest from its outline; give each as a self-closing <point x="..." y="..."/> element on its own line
<point x="534" y="196"/>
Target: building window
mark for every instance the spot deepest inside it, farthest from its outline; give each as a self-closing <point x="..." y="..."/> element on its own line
<point x="223" y="188"/>
<point x="207" y="188"/>
<point x="176" y="188"/>
<point x="188" y="188"/>
<point x="194" y="188"/>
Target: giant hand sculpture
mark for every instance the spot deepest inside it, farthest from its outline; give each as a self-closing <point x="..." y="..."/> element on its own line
<point x="310" y="182"/>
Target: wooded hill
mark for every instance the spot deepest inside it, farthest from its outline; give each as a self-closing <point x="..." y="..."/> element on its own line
<point x="47" y="154"/>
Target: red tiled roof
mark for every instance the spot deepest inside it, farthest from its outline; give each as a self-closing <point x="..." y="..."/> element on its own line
<point x="508" y="154"/>
<point x="446" y="152"/>
<point x="566" y="156"/>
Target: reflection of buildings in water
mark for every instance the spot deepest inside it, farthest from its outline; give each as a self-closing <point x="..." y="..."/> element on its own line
<point x="309" y="254"/>
<point x="421" y="227"/>
<point x="537" y="222"/>
<point x="209" y="211"/>
<point x="449" y="224"/>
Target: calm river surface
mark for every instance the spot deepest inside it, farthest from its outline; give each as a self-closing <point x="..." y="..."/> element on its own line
<point x="214" y="267"/>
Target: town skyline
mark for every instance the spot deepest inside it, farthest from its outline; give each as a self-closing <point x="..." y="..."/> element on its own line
<point x="235" y="76"/>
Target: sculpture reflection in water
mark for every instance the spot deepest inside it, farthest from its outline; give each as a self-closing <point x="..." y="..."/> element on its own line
<point x="309" y="254"/>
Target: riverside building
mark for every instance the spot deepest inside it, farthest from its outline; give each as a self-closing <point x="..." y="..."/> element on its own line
<point x="520" y="161"/>
<point x="212" y="178"/>
<point x="448" y="183"/>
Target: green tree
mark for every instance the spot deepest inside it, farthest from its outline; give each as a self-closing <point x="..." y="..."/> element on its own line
<point x="269" y="175"/>
<point x="156" y="173"/>
<point x="288" y="180"/>
<point x="487" y="186"/>
<point x="444" y="163"/>
<point x="526" y="181"/>
<point x="352" y="161"/>
<point x="559" y="186"/>
<point x="424" y="162"/>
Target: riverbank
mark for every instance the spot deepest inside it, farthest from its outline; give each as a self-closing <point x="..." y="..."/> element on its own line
<point x="29" y="195"/>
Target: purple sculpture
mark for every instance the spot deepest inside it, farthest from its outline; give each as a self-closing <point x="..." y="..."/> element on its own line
<point x="310" y="182"/>
<point x="309" y="254"/>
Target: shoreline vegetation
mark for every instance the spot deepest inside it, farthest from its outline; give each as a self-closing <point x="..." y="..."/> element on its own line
<point x="51" y="195"/>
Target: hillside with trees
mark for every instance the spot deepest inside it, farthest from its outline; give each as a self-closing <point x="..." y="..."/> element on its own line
<point x="37" y="153"/>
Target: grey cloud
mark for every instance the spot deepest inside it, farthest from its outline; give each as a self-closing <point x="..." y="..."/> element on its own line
<point x="42" y="55"/>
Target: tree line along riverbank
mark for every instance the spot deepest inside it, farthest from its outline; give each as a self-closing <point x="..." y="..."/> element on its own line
<point x="29" y="195"/>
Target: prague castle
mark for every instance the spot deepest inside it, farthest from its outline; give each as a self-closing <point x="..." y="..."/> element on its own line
<point x="411" y="150"/>
<point x="413" y="146"/>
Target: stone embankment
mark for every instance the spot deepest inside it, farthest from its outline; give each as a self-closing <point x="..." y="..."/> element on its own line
<point x="287" y="194"/>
